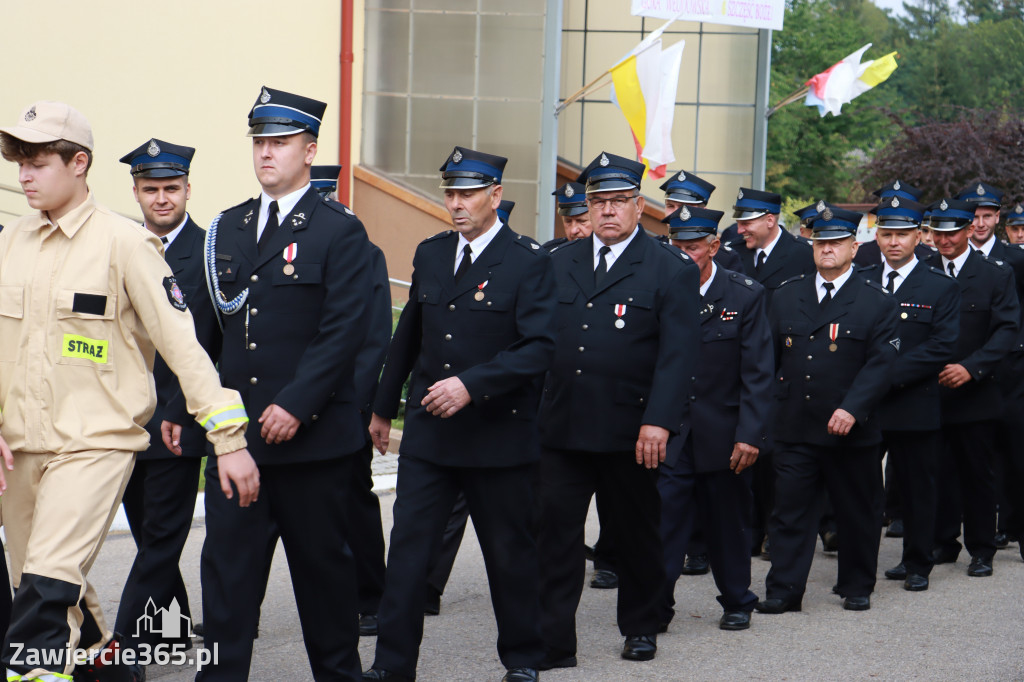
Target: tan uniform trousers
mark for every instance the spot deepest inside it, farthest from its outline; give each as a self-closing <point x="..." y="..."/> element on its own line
<point x="57" y="511"/>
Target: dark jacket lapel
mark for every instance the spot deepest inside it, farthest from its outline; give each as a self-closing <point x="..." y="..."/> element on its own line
<point x="627" y="262"/>
<point x="479" y="271"/>
<point x="294" y="222"/>
<point x="711" y="305"/>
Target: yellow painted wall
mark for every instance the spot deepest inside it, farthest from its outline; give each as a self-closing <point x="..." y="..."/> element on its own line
<point x="186" y="72"/>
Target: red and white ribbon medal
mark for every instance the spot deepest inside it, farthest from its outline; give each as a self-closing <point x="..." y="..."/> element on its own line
<point x="833" y="333"/>
<point x="289" y="255"/>
<point x="620" y="310"/>
<point x="479" y="295"/>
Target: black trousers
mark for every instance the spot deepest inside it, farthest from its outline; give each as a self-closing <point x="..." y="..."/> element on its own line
<point x="913" y="459"/>
<point x="302" y="501"/>
<point x="604" y="548"/>
<point x="366" y="535"/>
<point x="1009" y="467"/>
<point x="893" y="500"/>
<point x="851" y="476"/>
<point x="721" y="503"/>
<point x="630" y="493"/>
<point x="966" y="491"/>
<point x="444" y="561"/>
<point x="764" y="499"/>
<point x="500" y="501"/>
<point x="159" y="502"/>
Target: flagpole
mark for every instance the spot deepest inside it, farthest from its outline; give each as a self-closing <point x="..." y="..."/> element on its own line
<point x="788" y="100"/>
<point x="582" y="92"/>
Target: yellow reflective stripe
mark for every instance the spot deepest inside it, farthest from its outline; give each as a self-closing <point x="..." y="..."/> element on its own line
<point x="84" y="347"/>
<point x="235" y="414"/>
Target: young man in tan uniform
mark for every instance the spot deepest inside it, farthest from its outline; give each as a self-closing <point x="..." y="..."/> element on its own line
<point x="86" y="299"/>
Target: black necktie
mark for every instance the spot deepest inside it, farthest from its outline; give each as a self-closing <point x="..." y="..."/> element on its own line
<point x="891" y="286"/>
<point x="602" y="265"/>
<point x="952" y="269"/>
<point x="467" y="260"/>
<point x="828" y="286"/>
<point x="270" y="228"/>
<point x="761" y="257"/>
<point x="163" y="240"/>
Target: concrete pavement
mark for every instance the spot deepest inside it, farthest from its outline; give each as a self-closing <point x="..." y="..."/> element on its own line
<point x="962" y="628"/>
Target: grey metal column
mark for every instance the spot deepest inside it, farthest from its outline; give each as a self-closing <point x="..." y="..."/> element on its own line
<point x="764" y="68"/>
<point x="547" y="173"/>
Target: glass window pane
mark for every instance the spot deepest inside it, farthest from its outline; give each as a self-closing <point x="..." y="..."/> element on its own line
<point x="511" y="56"/>
<point x="387" y="51"/>
<point x="726" y="138"/>
<point x="614" y="16"/>
<point x="449" y="5"/>
<point x="384" y="137"/>
<point x="511" y="129"/>
<point x="574" y="15"/>
<point x="387" y="4"/>
<point x="569" y="123"/>
<point x="724" y="196"/>
<point x="728" y="69"/>
<point x="524" y="217"/>
<point x="517" y="6"/>
<point x="572" y="64"/>
<point x="437" y="126"/>
<point x="443" y="49"/>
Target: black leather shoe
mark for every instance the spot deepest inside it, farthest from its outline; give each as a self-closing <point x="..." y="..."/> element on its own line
<point x="915" y="583"/>
<point x="895" y="529"/>
<point x="897" y="572"/>
<point x="604" y="580"/>
<point x="980" y="568"/>
<point x="521" y="675"/>
<point x="589" y="552"/>
<point x="662" y="628"/>
<point x="944" y="556"/>
<point x="857" y="603"/>
<point x="198" y="630"/>
<point x="696" y="564"/>
<point x="379" y="675"/>
<point x="734" y="620"/>
<point x="550" y="663"/>
<point x="766" y="552"/>
<point x="368" y="625"/>
<point x="830" y="541"/>
<point x="433" y="605"/>
<point x="1002" y="540"/>
<point x="640" y="647"/>
<point x="778" y="605"/>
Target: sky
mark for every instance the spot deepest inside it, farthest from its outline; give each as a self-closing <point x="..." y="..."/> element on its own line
<point x="895" y="6"/>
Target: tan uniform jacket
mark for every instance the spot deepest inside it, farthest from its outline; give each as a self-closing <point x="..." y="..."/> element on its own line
<point x="82" y="306"/>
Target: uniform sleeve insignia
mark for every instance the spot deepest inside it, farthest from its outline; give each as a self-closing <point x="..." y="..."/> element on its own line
<point x="895" y="343"/>
<point x="174" y="293"/>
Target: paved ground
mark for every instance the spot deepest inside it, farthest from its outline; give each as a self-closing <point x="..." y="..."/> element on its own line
<point x="962" y="628"/>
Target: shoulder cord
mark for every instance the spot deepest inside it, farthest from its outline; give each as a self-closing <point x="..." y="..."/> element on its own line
<point x="220" y="304"/>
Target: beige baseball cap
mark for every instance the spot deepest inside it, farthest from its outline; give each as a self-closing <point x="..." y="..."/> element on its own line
<point x="46" y="121"/>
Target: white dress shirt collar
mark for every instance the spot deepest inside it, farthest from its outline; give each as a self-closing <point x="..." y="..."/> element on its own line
<point x="837" y="283"/>
<point x="707" y="285"/>
<point x="477" y="246"/>
<point x="958" y="262"/>
<point x="170" y="236"/>
<point x="616" y="249"/>
<point x="285" y="206"/>
<point x="902" y="273"/>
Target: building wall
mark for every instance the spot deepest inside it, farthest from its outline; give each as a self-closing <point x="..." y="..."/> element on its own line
<point x="186" y="72"/>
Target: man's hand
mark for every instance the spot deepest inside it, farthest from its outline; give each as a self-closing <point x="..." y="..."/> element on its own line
<point x="238" y="467"/>
<point x="279" y="425"/>
<point x="650" y="446"/>
<point x="954" y="376"/>
<point x="170" y="433"/>
<point x="8" y="457"/>
<point x="446" y="397"/>
<point x="743" y="456"/>
<point x="841" y="423"/>
<point x="380" y="433"/>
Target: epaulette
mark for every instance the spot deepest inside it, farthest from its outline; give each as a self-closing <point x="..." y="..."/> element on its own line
<point x="996" y="262"/>
<point x="794" y="278"/>
<point x="675" y="251"/>
<point x="727" y="247"/>
<point x="936" y="271"/>
<point x="878" y="287"/>
<point x="339" y="207"/>
<point x="527" y="243"/>
<point x="437" y="236"/>
<point x="742" y="279"/>
<point x="247" y="201"/>
<point x="862" y="269"/>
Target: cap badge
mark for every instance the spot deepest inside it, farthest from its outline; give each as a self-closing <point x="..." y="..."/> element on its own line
<point x="896" y="185"/>
<point x="30" y="115"/>
<point x="980" y="190"/>
<point x="569" y="192"/>
<point x="457" y="156"/>
<point x="684" y="213"/>
<point x="827" y="214"/>
<point x="604" y="160"/>
<point x="682" y="176"/>
<point x="739" y="195"/>
<point x="265" y="95"/>
<point x="820" y="207"/>
<point x="1018" y="209"/>
<point x="153" y="149"/>
<point x="895" y="202"/>
<point x="943" y="206"/>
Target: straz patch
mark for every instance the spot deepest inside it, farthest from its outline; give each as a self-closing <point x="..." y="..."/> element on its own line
<point x="86" y="348"/>
<point x="174" y="293"/>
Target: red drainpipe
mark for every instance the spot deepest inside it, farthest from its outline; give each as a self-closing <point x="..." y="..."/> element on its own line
<point x="345" y="133"/>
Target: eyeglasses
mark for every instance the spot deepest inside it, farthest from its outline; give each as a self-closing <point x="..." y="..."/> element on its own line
<point x="617" y="203"/>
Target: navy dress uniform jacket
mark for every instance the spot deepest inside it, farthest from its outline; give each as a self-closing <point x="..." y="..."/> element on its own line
<point x="371" y="358"/>
<point x="731" y="389"/>
<point x="499" y="347"/>
<point x="295" y="342"/>
<point x="989" y="319"/>
<point x="607" y="381"/>
<point x="789" y="258"/>
<point x="728" y="258"/>
<point x="869" y="254"/>
<point x="812" y="381"/>
<point x="185" y="257"/>
<point x="928" y="327"/>
<point x="1013" y="255"/>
